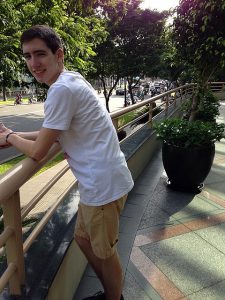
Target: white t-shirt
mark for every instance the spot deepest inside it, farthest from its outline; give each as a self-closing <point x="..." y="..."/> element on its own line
<point x="88" y="138"/>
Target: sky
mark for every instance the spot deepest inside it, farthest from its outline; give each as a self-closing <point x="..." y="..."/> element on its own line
<point x="159" y="4"/>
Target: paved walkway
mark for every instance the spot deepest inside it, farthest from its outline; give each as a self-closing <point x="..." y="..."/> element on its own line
<point x="33" y="187"/>
<point x="171" y="243"/>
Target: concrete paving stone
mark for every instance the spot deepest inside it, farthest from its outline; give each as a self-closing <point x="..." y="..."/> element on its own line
<point x="133" y="289"/>
<point x="215" y="176"/>
<point x="88" y="286"/>
<point x="151" y="175"/>
<point x="153" y="216"/>
<point x="214" y="292"/>
<point x="132" y="211"/>
<point x="137" y="199"/>
<point x="128" y="225"/>
<point x="215" y="236"/>
<point x="198" y="207"/>
<point x="143" y="189"/>
<point x="217" y="188"/>
<point x="137" y="287"/>
<point x="89" y="272"/>
<point x="169" y="200"/>
<point x="124" y="248"/>
<point x="125" y="242"/>
<point x="147" y="230"/>
<point x="188" y="261"/>
<point x="124" y="260"/>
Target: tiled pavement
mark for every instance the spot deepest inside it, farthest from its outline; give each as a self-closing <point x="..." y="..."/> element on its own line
<point x="172" y="244"/>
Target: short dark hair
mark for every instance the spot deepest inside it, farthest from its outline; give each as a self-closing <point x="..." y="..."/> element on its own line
<point x="45" y="33"/>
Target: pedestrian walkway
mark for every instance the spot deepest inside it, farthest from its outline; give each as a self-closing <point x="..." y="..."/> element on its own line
<point x="171" y="243"/>
<point x="34" y="186"/>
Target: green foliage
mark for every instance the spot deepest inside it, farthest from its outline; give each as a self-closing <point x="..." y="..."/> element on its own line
<point x="208" y="108"/>
<point x="138" y="37"/>
<point x="198" y="35"/>
<point x="9" y="29"/>
<point x="183" y="133"/>
<point x="133" y="45"/>
<point x="81" y="32"/>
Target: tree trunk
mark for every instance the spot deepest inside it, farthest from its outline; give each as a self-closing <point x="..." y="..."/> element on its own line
<point x="4" y="89"/>
<point x="194" y="107"/>
<point x="202" y="86"/>
<point x="106" y="93"/>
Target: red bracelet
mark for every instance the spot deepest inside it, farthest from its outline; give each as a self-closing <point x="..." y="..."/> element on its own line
<point x="6" y="138"/>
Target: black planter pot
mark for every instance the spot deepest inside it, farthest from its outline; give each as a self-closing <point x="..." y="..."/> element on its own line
<point x="187" y="168"/>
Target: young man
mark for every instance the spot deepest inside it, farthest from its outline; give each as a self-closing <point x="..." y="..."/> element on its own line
<point x="75" y="117"/>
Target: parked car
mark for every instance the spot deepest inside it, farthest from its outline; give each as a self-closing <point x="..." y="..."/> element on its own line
<point x="120" y="91"/>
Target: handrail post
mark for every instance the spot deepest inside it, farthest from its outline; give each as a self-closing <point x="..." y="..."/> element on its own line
<point x="116" y="123"/>
<point x="150" y="111"/>
<point x="167" y="105"/>
<point x="181" y="95"/>
<point x="14" y="245"/>
<point x="185" y="93"/>
<point x="175" y="98"/>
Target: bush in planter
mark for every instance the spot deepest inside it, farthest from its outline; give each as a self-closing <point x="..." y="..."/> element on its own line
<point x="183" y="133"/>
<point x="208" y="107"/>
<point x="188" y="151"/>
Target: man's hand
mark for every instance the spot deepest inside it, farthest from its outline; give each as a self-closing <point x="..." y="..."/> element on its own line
<point x="3" y="133"/>
<point x="4" y="130"/>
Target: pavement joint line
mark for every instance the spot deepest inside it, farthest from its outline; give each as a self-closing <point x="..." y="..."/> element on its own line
<point x="156" y="278"/>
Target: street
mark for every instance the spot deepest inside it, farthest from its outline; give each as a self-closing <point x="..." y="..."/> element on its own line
<point x="29" y="117"/>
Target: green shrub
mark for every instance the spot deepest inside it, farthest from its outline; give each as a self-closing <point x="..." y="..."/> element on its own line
<point x="184" y="133"/>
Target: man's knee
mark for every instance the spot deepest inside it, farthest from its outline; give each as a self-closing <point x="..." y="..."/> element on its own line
<point x="82" y="242"/>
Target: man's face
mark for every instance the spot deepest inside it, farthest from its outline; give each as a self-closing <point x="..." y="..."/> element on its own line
<point x="44" y="65"/>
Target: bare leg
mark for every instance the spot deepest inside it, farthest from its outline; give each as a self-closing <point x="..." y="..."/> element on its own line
<point x="85" y="247"/>
<point x="113" y="277"/>
<point x="108" y="270"/>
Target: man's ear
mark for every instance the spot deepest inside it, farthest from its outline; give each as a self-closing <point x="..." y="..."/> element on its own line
<point x="60" y="55"/>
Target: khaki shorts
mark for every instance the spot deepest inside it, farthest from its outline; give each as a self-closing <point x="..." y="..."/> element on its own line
<point x="100" y="225"/>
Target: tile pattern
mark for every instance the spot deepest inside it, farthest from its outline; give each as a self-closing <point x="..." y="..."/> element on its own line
<point x="163" y="257"/>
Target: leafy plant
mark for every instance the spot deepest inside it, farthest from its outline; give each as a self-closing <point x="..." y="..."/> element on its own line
<point x="198" y="37"/>
<point x="208" y="108"/>
<point x="184" y="133"/>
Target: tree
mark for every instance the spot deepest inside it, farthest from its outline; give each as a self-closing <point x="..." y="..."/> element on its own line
<point x="139" y="39"/>
<point x="80" y="34"/>
<point x="9" y="28"/>
<point x="199" y="38"/>
<point x="133" y="45"/>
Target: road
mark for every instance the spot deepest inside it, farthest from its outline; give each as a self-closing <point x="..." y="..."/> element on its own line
<point x="29" y="117"/>
<point x="20" y="118"/>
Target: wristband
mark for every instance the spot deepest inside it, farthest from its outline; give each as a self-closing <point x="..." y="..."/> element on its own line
<point x="6" y="138"/>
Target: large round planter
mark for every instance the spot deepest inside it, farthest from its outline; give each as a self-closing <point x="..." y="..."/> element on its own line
<point x="187" y="168"/>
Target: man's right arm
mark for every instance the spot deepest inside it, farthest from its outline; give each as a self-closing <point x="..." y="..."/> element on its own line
<point x="28" y="135"/>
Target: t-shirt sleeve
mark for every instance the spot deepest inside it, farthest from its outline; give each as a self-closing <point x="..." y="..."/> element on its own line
<point x="60" y="106"/>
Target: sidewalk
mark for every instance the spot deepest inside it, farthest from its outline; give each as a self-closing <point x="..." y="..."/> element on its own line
<point x="33" y="187"/>
<point x="171" y="243"/>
